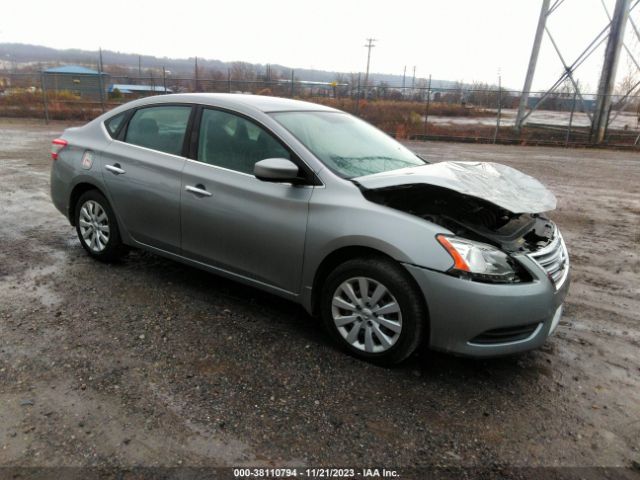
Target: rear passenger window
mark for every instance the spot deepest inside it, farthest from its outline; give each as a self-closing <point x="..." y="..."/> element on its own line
<point x="114" y="123"/>
<point x="160" y="128"/>
<point x="232" y="142"/>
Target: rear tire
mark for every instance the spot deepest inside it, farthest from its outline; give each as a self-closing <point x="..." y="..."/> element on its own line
<point x="373" y="310"/>
<point x="97" y="227"/>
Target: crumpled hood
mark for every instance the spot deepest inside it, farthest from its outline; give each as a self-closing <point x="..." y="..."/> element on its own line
<point x="503" y="186"/>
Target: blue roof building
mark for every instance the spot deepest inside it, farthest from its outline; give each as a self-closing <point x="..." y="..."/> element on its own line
<point x="81" y="81"/>
<point x="73" y="70"/>
<point x="128" y="89"/>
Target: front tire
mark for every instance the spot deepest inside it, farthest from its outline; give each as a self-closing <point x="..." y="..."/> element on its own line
<point x="97" y="227"/>
<point x="372" y="309"/>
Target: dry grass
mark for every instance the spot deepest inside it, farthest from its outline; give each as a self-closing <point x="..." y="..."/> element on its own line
<point x="400" y="118"/>
<point x="61" y="106"/>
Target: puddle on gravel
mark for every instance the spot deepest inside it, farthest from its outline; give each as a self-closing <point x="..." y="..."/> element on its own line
<point x="33" y="284"/>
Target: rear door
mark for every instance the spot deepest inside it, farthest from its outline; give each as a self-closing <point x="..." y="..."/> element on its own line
<point x="230" y="219"/>
<point x="142" y="173"/>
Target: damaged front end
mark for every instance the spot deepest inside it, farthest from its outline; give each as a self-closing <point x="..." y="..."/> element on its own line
<point x="486" y="238"/>
<point x="468" y="217"/>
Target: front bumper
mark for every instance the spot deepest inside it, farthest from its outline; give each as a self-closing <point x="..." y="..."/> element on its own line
<point x="462" y="310"/>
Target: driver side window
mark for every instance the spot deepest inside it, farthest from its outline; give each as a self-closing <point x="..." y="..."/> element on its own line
<point x="232" y="142"/>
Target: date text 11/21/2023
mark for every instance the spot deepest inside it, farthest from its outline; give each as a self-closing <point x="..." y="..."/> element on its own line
<point x="315" y="473"/>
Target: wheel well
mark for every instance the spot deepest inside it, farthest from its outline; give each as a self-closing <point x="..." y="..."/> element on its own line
<point x="78" y="190"/>
<point x="334" y="259"/>
<point x="341" y="255"/>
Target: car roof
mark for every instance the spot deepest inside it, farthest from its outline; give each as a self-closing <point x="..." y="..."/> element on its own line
<point x="261" y="103"/>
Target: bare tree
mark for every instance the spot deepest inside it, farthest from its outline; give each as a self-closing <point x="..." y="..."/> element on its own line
<point x="243" y="71"/>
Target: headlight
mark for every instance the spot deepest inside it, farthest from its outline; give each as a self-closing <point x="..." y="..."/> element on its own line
<point x="479" y="261"/>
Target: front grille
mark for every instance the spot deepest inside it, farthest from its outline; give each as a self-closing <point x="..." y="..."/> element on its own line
<point x="505" y="335"/>
<point x="554" y="259"/>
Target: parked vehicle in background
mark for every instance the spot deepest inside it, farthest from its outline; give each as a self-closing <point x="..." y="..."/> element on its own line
<point x="319" y="207"/>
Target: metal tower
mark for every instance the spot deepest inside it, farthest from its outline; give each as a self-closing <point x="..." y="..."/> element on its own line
<point x="613" y="33"/>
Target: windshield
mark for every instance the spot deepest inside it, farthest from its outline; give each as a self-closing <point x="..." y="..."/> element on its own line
<point x="347" y="145"/>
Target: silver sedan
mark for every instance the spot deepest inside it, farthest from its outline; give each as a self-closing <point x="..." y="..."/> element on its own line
<point x="319" y="207"/>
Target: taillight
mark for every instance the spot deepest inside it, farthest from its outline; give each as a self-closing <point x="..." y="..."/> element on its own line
<point x="56" y="146"/>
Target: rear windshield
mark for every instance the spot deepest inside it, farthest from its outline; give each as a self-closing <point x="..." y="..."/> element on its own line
<point x="347" y="145"/>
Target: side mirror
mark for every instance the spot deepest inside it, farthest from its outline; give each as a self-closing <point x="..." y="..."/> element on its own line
<point x="276" y="170"/>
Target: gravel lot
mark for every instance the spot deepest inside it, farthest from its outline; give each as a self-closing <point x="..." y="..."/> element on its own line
<point x="152" y="363"/>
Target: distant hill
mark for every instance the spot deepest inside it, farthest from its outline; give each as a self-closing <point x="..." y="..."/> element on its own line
<point x="25" y="56"/>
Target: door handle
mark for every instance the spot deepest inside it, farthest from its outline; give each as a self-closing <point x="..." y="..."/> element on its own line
<point x="115" y="169"/>
<point x="198" y="190"/>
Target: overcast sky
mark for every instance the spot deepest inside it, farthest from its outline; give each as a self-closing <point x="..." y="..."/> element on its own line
<point x="453" y="40"/>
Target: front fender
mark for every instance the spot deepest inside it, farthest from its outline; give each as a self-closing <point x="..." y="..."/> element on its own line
<point x="342" y="218"/>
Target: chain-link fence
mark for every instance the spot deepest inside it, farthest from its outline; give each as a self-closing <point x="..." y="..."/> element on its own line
<point x="462" y="113"/>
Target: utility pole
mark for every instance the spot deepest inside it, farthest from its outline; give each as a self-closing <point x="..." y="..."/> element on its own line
<point x="413" y="80"/>
<point x="368" y="46"/>
<point x="139" y="66"/>
<point x="404" y="74"/>
<point x="609" y="67"/>
<point x="495" y="134"/>
<point x="426" y="108"/>
<point x="535" y="50"/>
<point x="43" y="87"/>
<point x="196" y="76"/>
<point x="164" y="80"/>
<point x="293" y="79"/>
<point x="358" y="97"/>
<point x="101" y="80"/>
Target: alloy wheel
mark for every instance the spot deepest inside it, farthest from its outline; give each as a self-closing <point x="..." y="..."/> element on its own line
<point x="94" y="226"/>
<point x="366" y="314"/>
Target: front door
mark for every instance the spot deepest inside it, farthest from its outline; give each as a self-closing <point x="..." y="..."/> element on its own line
<point x="233" y="221"/>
